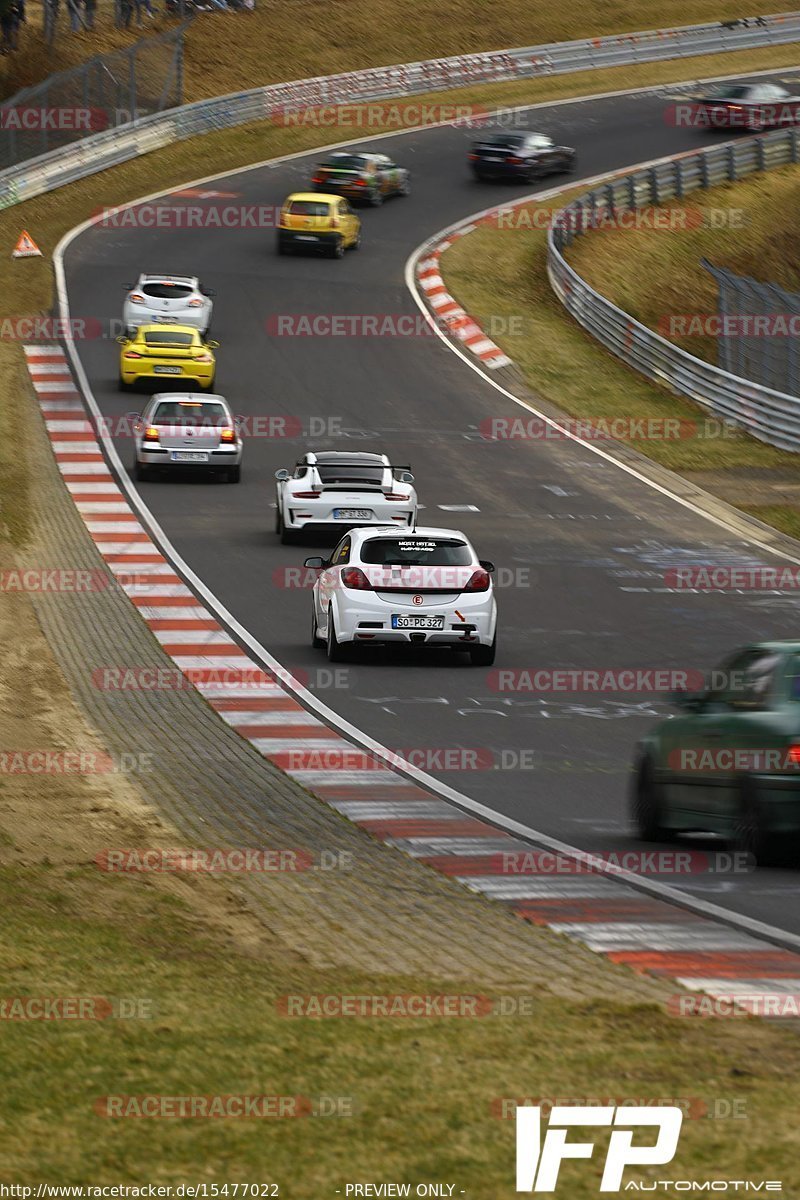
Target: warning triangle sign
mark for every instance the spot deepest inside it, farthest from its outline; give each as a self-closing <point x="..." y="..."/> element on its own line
<point x="26" y="247"/>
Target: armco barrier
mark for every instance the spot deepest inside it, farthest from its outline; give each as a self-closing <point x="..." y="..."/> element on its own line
<point x="768" y="415"/>
<point x="98" y="151"/>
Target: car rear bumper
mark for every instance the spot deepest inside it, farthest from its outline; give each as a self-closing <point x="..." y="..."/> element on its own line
<point x="311" y="524"/>
<point x="779" y="797"/>
<point x="490" y="170"/>
<point x="474" y="623"/>
<point x="224" y="457"/>
<point x="308" y="237"/>
<point x="198" y="376"/>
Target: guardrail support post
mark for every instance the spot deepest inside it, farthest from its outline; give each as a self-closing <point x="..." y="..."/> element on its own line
<point x="732" y="163"/>
<point x="794" y="145"/>
<point x="761" y="154"/>
<point x="654" y="196"/>
<point x="704" y="170"/>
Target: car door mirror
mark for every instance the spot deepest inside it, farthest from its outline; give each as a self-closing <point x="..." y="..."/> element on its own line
<point x="316" y="563"/>
<point x="212" y="345"/>
<point x="487" y="565"/>
<point x="122" y="339"/>
<point x="208" y="292"/>
<point x="128" y="287"/>
<point x="405" y="477"/>
<point x="282" y="475"/>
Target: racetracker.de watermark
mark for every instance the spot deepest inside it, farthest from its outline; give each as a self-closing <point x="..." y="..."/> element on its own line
<point x="395" y="114"/>
<point x="220" y="861"/>
<point x="239" y="680"/>
<point x="602" y="429"/>
<point x="75" y="1008"/>
<point x="583" y="219"/>
<point x="640" y="862"/>
<point x="578" y="681"/>
<point x="695" y="114"/>
<point x="729" y="325"/>
<point x="460" y="1005"/>
<point x="738" y="578"/>
<point x="224" y="1106"/>
<point x="72" y="762"/>
<point x="392" y="325"/>
<point x="694" y="1108"/>
<point x="735" y="1004"/>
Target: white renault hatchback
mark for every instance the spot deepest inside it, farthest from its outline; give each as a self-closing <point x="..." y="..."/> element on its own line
<point x="174" y="299"/>
<point x="423" y="587"/>
<point x="335" y="490"/>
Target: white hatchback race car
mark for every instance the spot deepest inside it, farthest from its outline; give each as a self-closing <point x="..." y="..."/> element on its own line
<point x="339" y="490"/>
<point x="424" y="587"/>
<point x="174" y="299"/>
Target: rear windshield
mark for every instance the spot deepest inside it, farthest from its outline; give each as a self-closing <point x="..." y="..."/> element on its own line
<point x="167" y="291"/>
<point x="330" y="473"/>
<point x="350" y="162"/>
<point x="168" y="337"/>
<point x="730" y="92"/>
<point x="309" y="208"/>
<point x="508" y="140"/>
<point x="173" y="412"/>
<point x="416" y="552"/>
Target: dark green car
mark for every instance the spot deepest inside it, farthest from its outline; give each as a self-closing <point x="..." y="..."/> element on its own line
<point x="367" y="177"/>
<point x="729" y="763"/>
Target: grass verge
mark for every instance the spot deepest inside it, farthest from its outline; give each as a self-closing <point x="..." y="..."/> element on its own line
<point x="228" y="51"/>
<point x="648" y="274"/>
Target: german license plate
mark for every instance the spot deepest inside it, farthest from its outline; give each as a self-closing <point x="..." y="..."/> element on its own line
<point x="352" y="514"/>
<point x="414" y="621"/>
<point x="159" y="370"/>
<point x="197" y="456"/>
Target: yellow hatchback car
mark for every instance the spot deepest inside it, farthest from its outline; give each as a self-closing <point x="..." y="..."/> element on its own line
<point x="318" y="222"/>
<point x="167" y="352"/>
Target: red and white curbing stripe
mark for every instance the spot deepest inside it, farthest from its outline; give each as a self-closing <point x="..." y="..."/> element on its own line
<point x="630" y="927"/>
<point x="449" y="313"/>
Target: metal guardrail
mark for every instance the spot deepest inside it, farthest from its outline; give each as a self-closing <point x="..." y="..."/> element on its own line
<point x="102" y="150"/>
<point x="769" y="415"/>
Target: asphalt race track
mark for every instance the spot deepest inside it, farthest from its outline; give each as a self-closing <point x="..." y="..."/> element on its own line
<point x="585" y="544"/>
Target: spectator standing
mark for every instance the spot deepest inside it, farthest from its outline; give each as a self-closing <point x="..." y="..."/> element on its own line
<point x="148" y="8"/>
<point x="89" y="7"/>
<point x="74" y="11"/>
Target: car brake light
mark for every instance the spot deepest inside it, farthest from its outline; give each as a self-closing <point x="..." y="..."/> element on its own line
<point x="478" y="581"/>
<point x="334" y="222"/>
<point x="132" y="354"/>
<point x="227" y="435"/>
<point x="151" y="434"/>
<point x="793" y="754"/>
<point x="317" y="178"/>
<point x="202" y="358"/>
<point x="394" y="496"/>
<point x="354" y="577"/>
<point x="196" y="303"/>
<point x="513" y="158"/>
<point x="472" y="157"/>
<point x="306" y="495"/>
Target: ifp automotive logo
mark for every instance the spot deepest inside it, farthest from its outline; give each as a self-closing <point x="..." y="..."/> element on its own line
<point x="538" y="1162"/>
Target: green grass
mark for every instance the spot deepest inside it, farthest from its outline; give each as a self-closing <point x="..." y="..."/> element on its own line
<point x="226" y="52"/>
<point x="420" y="1090"/>
<point x="566" y="366"/>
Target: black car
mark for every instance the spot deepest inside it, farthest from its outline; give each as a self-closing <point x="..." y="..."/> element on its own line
<point x="522" y="155"/>
<point x="753" y="106"/>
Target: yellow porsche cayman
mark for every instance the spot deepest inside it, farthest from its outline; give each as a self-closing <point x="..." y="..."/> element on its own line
<point x="312" y="221"/>
<point x="160" y="352"/>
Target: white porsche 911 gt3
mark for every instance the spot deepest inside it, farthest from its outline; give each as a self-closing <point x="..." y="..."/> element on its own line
<point x="424" y="587"/>
<point x="338" y="490"/>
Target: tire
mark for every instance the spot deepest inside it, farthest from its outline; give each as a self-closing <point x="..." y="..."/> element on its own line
<point x="376" y="198"/>
<point x="647" y="804"/>
<point x="281" y="246"/>
<point x="336" y="249"/>
<point x="405" y="188"/>
<point x="316" y="641"/>
<point x="123" y="386"/>
<point x="749" y="834"/>
<point x="483" y="656"/>
<point x="356" y="245"/>
<point x="278" y="518"/>
<point x="234" y="473"/>
<point x="288" y="536"/>
<point x="336" y="651"/>
<point x="141" y="473"/>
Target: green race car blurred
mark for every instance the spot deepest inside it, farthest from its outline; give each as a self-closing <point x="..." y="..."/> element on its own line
<point x="729" y="763"/>
<point x="365" y="177"/>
